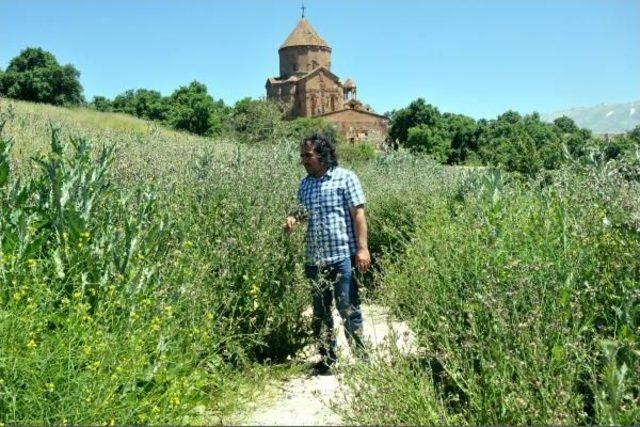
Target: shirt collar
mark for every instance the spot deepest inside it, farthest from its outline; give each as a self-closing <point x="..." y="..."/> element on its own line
<point x="328" y="174"/>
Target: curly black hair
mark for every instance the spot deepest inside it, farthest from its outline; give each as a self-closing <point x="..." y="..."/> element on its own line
<point x="325" y="145"/>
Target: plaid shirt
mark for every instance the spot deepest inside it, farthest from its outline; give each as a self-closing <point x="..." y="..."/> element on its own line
<point x="326" y="202"/>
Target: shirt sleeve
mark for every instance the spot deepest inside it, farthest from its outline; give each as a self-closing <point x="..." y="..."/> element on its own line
<point x="300" y="212"/>
<point x="354" y="193"/>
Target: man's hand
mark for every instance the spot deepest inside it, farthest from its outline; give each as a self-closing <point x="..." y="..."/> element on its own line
<point x="363" y="260"/>
<point x="289" y="223"/>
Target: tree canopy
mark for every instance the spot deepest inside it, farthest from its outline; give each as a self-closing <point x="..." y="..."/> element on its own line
<point x="35" y="75"/>
<point x="417" y="113"/>
<point x="143" y="103"/>
<point x="191" y="108"/>
<point x="519" y="143"/>
<point x="258" y="120"/>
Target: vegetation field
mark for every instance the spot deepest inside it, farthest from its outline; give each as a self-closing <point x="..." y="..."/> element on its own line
<point x="146" y="279"/>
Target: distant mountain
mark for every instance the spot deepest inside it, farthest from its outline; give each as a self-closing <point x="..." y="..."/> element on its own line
<point x="612" y="118"/>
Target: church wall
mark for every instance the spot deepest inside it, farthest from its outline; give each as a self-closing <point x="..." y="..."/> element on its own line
<point x="286" y="92"/>
<point x="358" y="126"/>
<point x="322" y="94"/>
<point x="303" y="59"/>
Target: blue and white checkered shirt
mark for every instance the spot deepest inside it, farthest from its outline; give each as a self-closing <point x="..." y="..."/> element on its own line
<point x="326" y="201"/>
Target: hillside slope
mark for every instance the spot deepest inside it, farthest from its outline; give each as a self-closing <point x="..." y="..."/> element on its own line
<point x="143" y="148"/>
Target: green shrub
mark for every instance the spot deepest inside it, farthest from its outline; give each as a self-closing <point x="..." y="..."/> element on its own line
<point x="135" y="305"/>
<point x="358" y="152"/>
<point x="524" y="301"/>
<point x="259" y="121"/>
<point x="305" y="126"/>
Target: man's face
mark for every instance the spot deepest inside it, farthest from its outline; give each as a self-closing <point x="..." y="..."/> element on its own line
<point x="311" y="161"/>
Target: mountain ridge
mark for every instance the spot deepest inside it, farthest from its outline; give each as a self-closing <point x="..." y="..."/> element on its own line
<point x="602" y="118"/>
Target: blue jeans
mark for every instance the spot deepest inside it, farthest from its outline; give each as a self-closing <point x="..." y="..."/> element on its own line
<point x="329" y="281"/>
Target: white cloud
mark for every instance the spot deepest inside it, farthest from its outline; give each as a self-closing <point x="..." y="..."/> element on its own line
<point x="632" y="111"/>
<point x="609" y="113"/>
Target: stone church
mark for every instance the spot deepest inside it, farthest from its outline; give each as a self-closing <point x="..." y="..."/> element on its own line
<point x="307" y="85"/>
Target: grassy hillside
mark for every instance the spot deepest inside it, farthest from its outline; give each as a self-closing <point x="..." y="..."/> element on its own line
<point x="143" y="148"/>
<point x="153" y="284"/>
<point x="129" y="276"/>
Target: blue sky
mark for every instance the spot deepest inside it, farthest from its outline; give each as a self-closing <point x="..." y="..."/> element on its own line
<point x="475" y="57"/>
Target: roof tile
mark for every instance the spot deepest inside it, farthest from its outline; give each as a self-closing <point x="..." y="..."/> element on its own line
<point x="304" y="35"/>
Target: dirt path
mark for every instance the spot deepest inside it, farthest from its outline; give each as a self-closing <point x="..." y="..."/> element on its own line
<point x="307" y="400"/>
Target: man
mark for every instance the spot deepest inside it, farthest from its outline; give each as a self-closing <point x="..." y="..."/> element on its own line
<point x="331" y="200"/>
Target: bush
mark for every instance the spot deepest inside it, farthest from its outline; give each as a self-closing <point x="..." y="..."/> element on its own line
<point x="303" y="127"/>
<point x="101" y="103"/>
<point x="357" y="152"/>
<point x="258" y="121"/>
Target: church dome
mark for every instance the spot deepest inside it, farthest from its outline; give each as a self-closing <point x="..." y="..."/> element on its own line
<point x="303" y="51"/>
<point x="349" y="84"/>
<point x="304" y="35"/>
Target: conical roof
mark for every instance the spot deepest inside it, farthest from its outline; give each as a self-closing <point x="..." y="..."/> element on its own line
<point x="304" y="35"/>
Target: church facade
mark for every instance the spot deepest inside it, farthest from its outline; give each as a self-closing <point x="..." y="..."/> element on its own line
<point x="309" y="88"/>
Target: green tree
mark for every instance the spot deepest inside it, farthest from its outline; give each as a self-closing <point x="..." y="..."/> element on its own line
<point x="635" y="134"/>
<point x="35" y="75"/>
<point x="618" y="145"/>
<point x="192" y="109"/>
<point x="124" y="102"/>
<point x="463" y="133"/>
<point x="143" y="103"/>
<point x="417" y="113"/>
<point x="101" y="103"/>
<point x="505" y="142"/>
<point x="510" y="117"/>
<point x="566" y="124"/>
<point x="429" y="140"/>
<point x="259" y="120"/>
<point x="305" y="126"/>
<point x="548" y="144"/>
<point x="575" y="139"/>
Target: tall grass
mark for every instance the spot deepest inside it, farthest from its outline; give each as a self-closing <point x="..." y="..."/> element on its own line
<point x="146" y="279"/>
<point x="525" y="298"/>
<point x="134" y="297"/>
